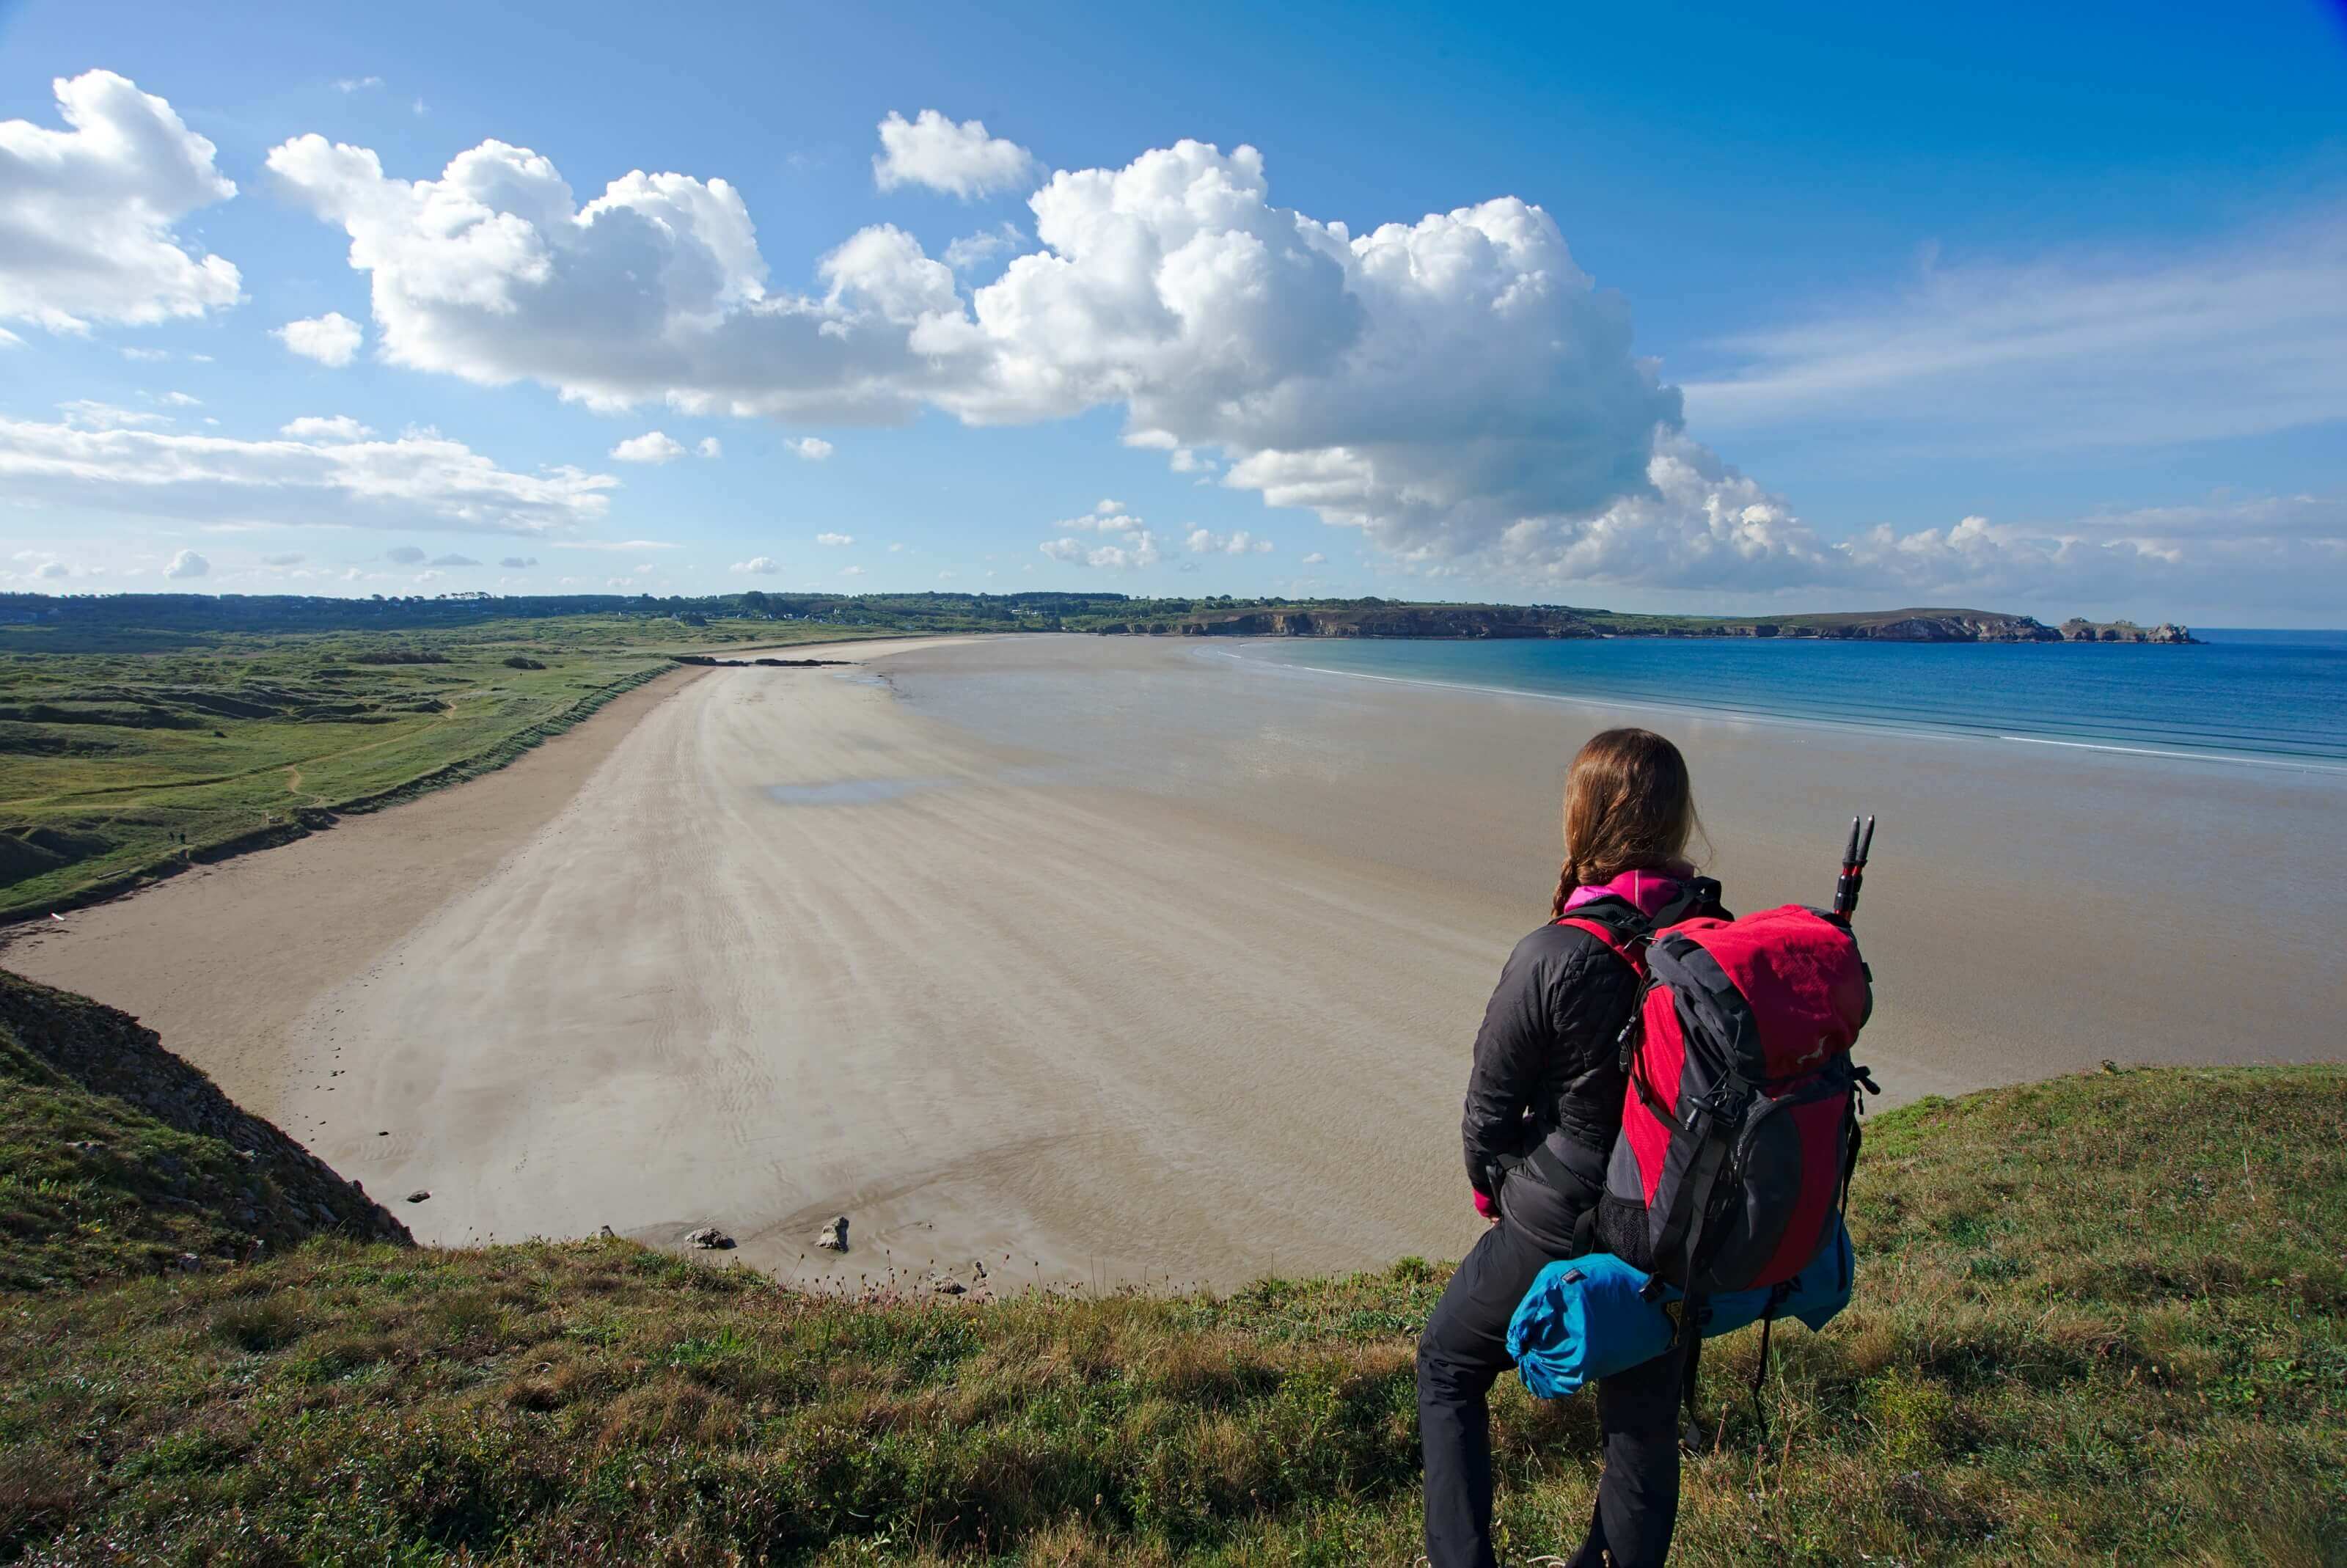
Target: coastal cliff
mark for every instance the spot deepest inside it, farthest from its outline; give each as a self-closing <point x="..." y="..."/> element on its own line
<point x="1467" y="621"/>
<point x="1378" y="618"/>
<point x="1932" y="626"/>
<point x="117" y="1157"/>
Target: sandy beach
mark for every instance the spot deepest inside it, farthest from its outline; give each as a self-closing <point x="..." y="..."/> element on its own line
<point x="1106" y="960"/>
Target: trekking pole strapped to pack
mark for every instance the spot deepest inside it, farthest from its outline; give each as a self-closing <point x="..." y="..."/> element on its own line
<point x="1854" y="869"/>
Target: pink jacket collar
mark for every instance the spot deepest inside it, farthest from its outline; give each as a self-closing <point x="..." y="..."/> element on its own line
<point x="1649" y="891"/>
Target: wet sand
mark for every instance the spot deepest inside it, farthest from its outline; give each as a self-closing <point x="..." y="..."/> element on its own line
<point x="1119" y="961"/>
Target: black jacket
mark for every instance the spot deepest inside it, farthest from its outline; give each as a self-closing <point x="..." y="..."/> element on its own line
<point x="1548" y="1069"/>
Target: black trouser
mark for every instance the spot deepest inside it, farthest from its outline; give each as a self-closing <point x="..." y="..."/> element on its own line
<point x="1464" y="1349"/>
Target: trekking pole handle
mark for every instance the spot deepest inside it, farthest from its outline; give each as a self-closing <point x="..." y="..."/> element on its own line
<point x="1853" y="867"/>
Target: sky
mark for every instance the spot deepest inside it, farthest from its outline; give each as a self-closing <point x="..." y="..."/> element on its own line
<point x="1666" y="307"/>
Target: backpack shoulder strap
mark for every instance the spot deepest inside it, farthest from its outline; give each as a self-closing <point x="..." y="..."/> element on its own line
<point x="1616" y="922"/>
<point x="1698" y="899"/>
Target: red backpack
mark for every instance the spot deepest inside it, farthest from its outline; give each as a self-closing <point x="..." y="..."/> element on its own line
<point x="1739" y="1125"/>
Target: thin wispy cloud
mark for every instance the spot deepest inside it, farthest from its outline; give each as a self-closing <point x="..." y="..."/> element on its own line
<point x="2242" y="337"/>
<point x="116" y="462"/>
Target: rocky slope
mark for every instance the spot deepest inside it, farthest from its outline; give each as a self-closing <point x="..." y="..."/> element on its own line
<point x="117" y="1157"/>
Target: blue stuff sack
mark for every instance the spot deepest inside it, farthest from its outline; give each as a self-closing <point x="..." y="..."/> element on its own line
<point x="1585" y="1318"/>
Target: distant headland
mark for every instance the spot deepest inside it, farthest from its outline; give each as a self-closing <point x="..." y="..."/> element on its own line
<point x="1387" y="618"/>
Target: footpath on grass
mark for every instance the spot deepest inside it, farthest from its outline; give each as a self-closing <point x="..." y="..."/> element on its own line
<point x="2100" y="1319"/>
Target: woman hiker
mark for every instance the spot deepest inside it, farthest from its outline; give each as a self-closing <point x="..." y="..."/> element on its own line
<point x="1543" y="1104"/>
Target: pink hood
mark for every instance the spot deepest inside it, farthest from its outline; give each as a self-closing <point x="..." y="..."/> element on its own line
<point x="1648" y="890"/>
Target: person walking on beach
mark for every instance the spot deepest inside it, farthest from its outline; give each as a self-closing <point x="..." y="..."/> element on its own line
<point x="1544" y="1105"/>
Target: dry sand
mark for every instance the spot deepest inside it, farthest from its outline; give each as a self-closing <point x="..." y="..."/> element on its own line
<point x="1114" y="960"/>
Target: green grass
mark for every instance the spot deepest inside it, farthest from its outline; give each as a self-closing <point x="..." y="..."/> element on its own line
<point x="130" y="754"/>
<point x="118" y="1158"/>
<point x="2099" y="1320"/>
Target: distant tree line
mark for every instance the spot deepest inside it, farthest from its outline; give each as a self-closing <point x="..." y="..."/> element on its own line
<point x="1047" y="611"/>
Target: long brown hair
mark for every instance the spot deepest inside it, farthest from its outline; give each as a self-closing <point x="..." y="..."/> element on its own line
<point x="1628" y="806"/>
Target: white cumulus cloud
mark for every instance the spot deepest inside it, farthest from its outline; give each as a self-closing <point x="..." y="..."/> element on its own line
<point x="809" y="448"/>
<point x="710" y="447"/>
<point x="187" y="564"/>
<point x="332" y="340"/>
<point x="976" y="250"/>
<point x="1204" y="542"/>
<point x="1706" y="527"/>
<point x="651" y="446"/>
<point x="1105" y="517"/>
<point x="1456" y="388"/>
<point x="1432" y="383"/>
<point x="654" y="290"/>
<point x="1134" y="549"/>
<point x="87" y="214"/>
<point x="758" y="566"/>
<point x="325" y="428"/>
<point x="1316" y="559"/>
<point x="960" y="160"/>
<point x="835" y="538"/>
<point x="421" y="479"/>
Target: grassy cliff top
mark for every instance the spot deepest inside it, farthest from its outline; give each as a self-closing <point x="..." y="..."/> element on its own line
<point x="2098" y="1320"/>
<point x="118" y="1158"/>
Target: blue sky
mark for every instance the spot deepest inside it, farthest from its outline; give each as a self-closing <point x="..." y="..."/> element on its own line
<point x="1711" y="311"/>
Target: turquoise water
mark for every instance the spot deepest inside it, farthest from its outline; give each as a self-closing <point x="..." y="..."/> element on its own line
<point x="2269" y="698"/>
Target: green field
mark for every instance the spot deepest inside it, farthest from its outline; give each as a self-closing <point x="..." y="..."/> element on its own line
<point x="2099" y="1320"/>
<point x="126" y="752"/>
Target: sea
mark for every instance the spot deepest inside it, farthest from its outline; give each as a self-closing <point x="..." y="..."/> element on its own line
<point x="2253" y="698"/>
